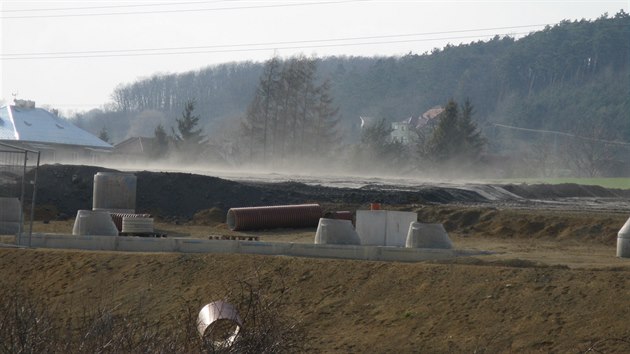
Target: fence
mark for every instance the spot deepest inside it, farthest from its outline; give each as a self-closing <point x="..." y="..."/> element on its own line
<point x="18" y="189"/>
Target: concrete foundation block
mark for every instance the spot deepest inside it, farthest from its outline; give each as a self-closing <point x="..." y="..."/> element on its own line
<point x="384" y="227"/>
<point x="336" y="232"/>
<point x="427" y="236"/>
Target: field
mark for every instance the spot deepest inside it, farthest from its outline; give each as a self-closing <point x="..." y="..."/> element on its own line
<point x="552" y="283"/>
<point x="616" y="183"/>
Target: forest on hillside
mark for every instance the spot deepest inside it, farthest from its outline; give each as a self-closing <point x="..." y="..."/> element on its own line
<point x="564" y="87"/>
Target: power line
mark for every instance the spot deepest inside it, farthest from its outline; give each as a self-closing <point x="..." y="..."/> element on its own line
<point x="112" y="6"/>
<point x="184" y="10"/>
<point x="345" y="39"/>
<point x="611" y="142"/>
<point x="253" y="49"/>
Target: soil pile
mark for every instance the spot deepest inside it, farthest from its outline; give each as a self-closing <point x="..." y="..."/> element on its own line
<point x="564" y="190"/>
<point x="525" y="224"/>
<point x="64" y="189"/>
<point x="68" y="188"/>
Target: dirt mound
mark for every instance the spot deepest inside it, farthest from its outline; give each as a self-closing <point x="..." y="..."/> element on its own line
<point x="525" y="224"/>
<point x="210" y="216"/>
<point x="564" y="190"/>
<point x="69" y="188"/>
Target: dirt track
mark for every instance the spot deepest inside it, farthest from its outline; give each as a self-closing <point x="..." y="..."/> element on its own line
<point x="553" y="283"/>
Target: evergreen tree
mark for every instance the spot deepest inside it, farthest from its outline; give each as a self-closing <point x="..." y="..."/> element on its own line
<point x="471" y="139"/>
<point x="160" y="146"/>
<point x="456" y="137"/>
<point x="188" y="137"/>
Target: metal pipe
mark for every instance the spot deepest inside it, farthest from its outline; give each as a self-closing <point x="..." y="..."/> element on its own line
<point x="270" y="217"/>
<point x="210" y="318"/>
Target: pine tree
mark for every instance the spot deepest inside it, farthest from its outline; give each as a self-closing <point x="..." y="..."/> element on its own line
<point x="188" y="137"/>
<point x="456" y="137"/>
<point x="472" y="141"/>
<point x="160" y="146"/>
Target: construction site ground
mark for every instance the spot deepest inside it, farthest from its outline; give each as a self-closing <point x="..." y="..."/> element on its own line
<point x="550" y="283"/>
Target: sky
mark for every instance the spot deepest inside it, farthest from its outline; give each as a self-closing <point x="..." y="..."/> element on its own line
<point x="71" y="55"/>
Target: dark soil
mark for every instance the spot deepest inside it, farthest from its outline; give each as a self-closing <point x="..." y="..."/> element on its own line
<point x="69" y="188"/>
<point x="64" y="189"/>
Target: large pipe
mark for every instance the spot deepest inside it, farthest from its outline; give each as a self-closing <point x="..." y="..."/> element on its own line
<point x="220" y="321"/>
<point x="270" y="217"/>
<point x="115" y="192"/>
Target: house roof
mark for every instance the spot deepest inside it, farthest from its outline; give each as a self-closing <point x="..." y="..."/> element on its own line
<point x="36" y="125"/>
<point x="432" y="113"/>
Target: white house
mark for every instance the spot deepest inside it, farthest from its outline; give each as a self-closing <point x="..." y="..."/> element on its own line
<point x="58" y="140"/>
<point x="404" y="131"/>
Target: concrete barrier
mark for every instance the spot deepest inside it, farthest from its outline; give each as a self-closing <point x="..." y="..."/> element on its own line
<point x="336" y="232"/>
<point x="384" y="227"/>
<point x="428" y="236"/>
<point x="185" y="245"/>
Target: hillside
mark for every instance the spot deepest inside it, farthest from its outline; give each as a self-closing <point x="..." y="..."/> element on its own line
<point x="546" y="80"/>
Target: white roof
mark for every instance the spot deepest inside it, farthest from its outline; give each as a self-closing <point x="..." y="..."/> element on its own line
<point x="36" y="125"/>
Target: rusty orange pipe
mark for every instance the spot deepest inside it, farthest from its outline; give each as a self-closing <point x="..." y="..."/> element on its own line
<point x="272" y="217"/>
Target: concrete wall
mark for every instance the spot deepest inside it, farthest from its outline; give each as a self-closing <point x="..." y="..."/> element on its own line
<point x="384" y="227"/>
<point x="186" y="245"/>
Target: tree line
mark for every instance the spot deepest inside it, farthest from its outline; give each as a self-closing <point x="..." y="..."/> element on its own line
<point x="565" y="78"/>
<point x="292" y="114"/>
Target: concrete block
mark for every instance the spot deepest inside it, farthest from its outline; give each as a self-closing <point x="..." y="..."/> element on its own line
<point x="89" y="222"/>
<point x="144" y="244"/>
<point x="398" y="226"/>
<point x="384" y="227"/>
<point x="371" y="227"/>
<point x="139" y="244"/>
<point x="336" y="232"/>
<point x="206" y="246"/>
<point x="623" y="241"/>
<point x="267" y="248"/>
<point x="427" y="236"/>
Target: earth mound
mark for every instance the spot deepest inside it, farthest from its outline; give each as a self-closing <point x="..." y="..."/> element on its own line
<point x="64" y="189"/>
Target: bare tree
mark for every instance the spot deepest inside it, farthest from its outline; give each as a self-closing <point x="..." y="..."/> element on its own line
<point x="588" y="151"/>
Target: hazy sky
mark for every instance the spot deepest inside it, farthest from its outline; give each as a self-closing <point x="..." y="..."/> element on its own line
<point x="72" y="54"/>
